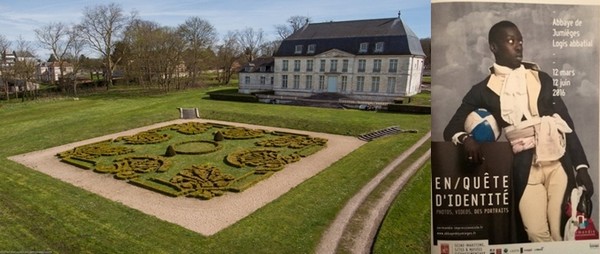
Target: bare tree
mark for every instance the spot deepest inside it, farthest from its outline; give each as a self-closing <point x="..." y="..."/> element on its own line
<point x="227" y="55"/>
<point x="154" y="54"/>
<point x="297" y="22"/>
<point x="250" y="40"/>
<point x="101" y="27"/>
<point x="166" y="57"/>
<point x="24" y="68"/>
<point x="58" y="38"/>
<point x="139" y="39"/>
<point x="4" y="65"/>
<point x="269" y="48"/>
<point x="73" y="56"/>
<point x="294" y="23"/>
<point x="199" y="36"/>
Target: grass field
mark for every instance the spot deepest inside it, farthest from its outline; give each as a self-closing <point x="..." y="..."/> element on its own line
<point x="39" y="213"/>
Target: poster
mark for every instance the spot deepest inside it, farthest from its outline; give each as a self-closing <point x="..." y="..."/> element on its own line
<point x="479" y="207"/>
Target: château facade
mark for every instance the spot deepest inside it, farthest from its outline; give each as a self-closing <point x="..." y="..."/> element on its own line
<point x="367" y="60"/>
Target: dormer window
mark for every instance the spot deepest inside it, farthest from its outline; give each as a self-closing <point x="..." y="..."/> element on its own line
<point x="379" y="47"/>
<point x="311" y="48"/>
<point x="263" y="69"/>
<point x="363" y="47"/>
<point x="248" y="69"/>
<point x="298" y="49"/>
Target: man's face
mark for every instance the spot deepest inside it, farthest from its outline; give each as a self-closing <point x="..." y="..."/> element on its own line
<point x="508" y="47"/>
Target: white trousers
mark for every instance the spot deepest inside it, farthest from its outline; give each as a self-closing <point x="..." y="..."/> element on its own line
<point x="540" y="205"/>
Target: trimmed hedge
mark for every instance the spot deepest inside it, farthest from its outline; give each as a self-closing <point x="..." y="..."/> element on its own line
<point x="79" y="163"/>
<point x="256" y="159"/>
<point x="192" y="128"/>
<point x="257" y="178"/>
<point x="229" y="96"/>
<point x="242" y="133"/>
<point x="292" y="141"/>
<point x="95" y="150"/>
<point x="261" y="159"/>
<point x="203" y="182"/>
<point x="131" y="167"/>
<point x="414" y="109"/>
<point x="146" y="137"/>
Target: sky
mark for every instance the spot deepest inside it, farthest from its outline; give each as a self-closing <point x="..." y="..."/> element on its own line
<point x="21" y="18"/>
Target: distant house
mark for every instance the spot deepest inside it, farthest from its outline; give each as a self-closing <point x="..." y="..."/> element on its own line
<point x="10" y="81"/>
<point x="371" y="60"/>
<point x="257" y="76"/>
<point x="8" y="59"/>
<point x="51" y="72"/>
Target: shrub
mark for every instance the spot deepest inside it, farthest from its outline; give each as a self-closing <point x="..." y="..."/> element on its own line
<point x="170" y="151"/>
<point x="218" y="136"/>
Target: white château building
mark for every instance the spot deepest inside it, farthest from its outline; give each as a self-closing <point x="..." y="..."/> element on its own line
<point x="257" y="76"/>
<point x="370" y="60"/>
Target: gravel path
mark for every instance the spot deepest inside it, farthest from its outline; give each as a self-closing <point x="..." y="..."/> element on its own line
<point x="332" y="237"/>
<point x="206" y="217"/>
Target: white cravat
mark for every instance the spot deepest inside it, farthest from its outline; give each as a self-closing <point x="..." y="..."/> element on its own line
<point x="514" y="102"/>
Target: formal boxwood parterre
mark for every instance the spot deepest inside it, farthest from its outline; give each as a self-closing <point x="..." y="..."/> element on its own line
<point x="194" y="159"/>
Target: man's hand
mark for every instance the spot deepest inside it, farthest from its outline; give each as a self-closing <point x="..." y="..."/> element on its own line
<point x="473" y="151"/>
<point x="583" y="178"/>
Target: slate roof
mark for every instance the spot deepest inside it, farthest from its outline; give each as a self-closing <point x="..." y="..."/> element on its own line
<point x="347" y="36"/>
<point x="255" y="65"/>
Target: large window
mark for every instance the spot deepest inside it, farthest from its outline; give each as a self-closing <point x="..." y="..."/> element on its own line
<point x="263" y="80"/>
<point x="360" y="83"/>
<point x="345" y="65"/>
<point x="321" y="82"/>
<point x="393" y="68"/>
<point x="362" y="65"/>
<point x="284" y="81"/>
<point x="309" y="65"/>
<point x="333" y="66"/>
<point x="391" y="85"/>
<point x="296" y="81"/>
<point x="284" y="65"/>
<point x="296" y="65"/>
<point x="322" y="66"/>
<point x="377" y="65"/>
<point x="247" y="80"/>
<point x="309" y="82"/>
<point x="344" y="83"/>
<point x="375" y="84"/>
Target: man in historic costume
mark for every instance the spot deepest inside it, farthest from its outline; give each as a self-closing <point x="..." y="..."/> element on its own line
<point x="548" y="157"/>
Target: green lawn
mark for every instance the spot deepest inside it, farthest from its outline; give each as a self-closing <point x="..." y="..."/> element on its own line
<point x="408" y="220"/>
<point x="40" y="213"/>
